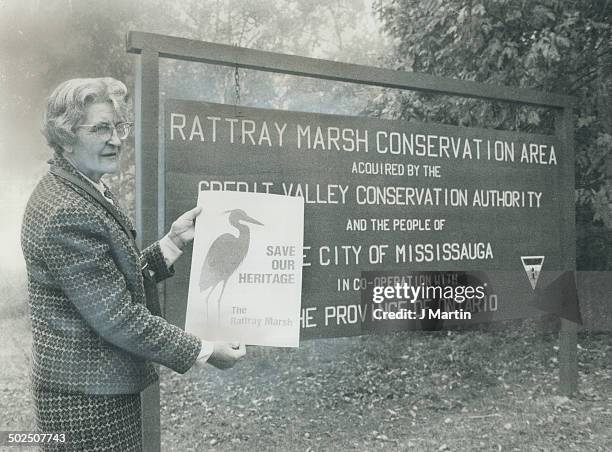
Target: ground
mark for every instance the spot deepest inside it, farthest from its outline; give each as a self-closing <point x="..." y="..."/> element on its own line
<point x="451" y="391"/>
<point x="405" y="391"/>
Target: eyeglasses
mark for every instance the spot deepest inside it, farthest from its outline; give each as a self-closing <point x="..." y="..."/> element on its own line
<point x="105" y="130"/>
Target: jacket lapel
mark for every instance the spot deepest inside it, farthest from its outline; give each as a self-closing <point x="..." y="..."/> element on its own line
<point x="63" y="169"/>
<point x="115" y="206"/>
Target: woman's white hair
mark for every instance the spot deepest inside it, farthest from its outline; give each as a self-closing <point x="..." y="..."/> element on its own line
<point x="67" y="107"/>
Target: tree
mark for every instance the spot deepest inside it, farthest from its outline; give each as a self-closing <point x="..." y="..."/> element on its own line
<point x="46" y="43"/>
<point x="551" y="45"/>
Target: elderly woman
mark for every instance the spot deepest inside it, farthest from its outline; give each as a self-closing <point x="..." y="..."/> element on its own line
<point x="95" y="331"/>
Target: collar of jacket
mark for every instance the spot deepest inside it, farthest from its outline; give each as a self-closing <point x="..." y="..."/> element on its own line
<point x="62" y="168"/>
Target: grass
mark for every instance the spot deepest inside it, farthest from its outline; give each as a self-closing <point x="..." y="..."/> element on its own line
<point x="420" y="391"/>
<point x="455" y="391"/>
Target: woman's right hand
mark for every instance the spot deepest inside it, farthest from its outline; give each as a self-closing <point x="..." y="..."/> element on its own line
<point x="225" y="354"/>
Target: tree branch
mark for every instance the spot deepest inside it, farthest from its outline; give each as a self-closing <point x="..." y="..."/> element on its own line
<point x="590" y="73"/>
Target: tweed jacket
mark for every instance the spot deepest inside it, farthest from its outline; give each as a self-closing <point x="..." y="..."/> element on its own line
<point x="92" y="331"/>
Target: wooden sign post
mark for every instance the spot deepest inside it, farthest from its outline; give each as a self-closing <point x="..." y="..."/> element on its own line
<point x="323" y="154"/>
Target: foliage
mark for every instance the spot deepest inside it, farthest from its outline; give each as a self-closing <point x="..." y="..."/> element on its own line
<point x="401" y="391"/>
<point x="48" y="42"/>
<point x="551" y="45"/>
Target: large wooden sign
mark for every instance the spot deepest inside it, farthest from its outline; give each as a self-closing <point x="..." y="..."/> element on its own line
<point x="393" y="197"/>
<point x="429" y="197"/>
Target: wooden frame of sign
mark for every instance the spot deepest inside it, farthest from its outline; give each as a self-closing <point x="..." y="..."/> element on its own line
<point x="150" y="214"/>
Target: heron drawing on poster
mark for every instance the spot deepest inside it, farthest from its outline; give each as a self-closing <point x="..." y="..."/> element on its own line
<point x="225" y="256"/>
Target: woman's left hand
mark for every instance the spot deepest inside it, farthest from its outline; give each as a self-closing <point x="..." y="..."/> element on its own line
<point x="183" y="229"/>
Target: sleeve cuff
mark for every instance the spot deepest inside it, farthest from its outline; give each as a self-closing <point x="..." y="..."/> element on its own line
<point x="153" y="260"/>
<point x="169" y="250"/>
<point x="206" y="351"/>
<point x="188" y="354"/>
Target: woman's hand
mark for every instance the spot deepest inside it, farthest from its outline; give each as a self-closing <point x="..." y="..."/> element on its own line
<point x="222" y="355"/>
<point x="183" y="229"/>
<point x="226" y="354"/>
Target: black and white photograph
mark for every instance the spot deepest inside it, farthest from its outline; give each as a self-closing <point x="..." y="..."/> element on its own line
<point x="303" y="225"/>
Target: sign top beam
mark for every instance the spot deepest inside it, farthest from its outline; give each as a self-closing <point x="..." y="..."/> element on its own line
<point x="227" y="55"/>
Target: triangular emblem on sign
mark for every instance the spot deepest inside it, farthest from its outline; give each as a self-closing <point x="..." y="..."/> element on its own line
<point x="533" y="266"/>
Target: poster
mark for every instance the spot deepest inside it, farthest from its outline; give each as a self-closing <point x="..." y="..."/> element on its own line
<point x="246" y="271"/>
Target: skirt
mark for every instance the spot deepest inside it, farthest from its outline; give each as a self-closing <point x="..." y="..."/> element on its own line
<point x="90" y="422"/>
